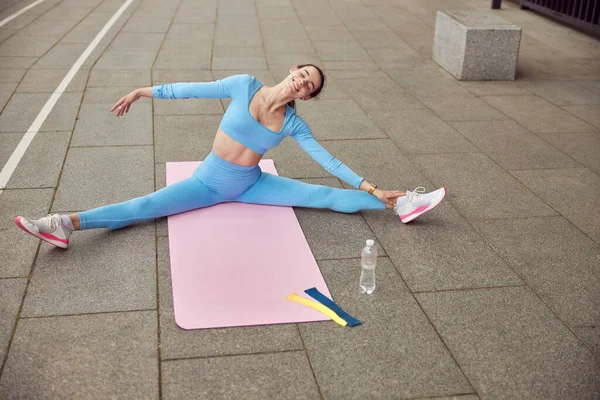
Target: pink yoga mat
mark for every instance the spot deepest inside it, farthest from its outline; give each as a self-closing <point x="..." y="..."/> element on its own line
<point x="233" y="264"/>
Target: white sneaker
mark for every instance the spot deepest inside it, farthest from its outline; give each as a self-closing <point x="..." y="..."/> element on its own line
<point x="417" y="203"/>
<point x="50" y="229"/>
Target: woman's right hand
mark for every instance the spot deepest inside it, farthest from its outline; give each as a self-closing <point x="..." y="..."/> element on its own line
<point x="122" y="106"/>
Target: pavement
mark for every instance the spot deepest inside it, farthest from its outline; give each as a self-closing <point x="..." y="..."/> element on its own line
<point x="495" y="294"/>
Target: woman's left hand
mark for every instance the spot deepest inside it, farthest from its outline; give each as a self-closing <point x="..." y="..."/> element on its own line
<point x="389" y="197"/>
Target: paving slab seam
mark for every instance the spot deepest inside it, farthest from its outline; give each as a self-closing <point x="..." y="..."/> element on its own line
<point x="36" y="253"/>
<point x="447" y="397"/>
<point x="467" y="289"/>
<point x="88" y="146"/>
<point x="306" y="351"/>
<point x="231" y="355"/>
<point x="156" y="236"/>
<point x="18" y="315"/>
<point x="90" y="313"/>
<point x="20" y="12"/>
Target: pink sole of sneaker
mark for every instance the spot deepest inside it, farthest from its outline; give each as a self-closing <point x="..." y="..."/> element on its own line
<point x="431" y="206"/>
<point x="57" y="244"/>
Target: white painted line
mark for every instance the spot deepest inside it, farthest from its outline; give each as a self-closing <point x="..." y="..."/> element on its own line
<point x="21" y="11"/>
<point x="16" y="156"/>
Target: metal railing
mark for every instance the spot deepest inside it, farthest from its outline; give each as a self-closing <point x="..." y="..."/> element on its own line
<point x="582" y="14"/>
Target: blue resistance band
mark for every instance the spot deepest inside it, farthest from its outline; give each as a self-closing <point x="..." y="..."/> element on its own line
<point x="321" y="298"/>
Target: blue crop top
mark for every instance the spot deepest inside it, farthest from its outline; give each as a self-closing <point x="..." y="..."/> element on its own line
<point x="239" y="124"/>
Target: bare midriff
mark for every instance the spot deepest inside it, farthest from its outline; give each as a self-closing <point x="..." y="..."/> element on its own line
<point x="233" y="151"/>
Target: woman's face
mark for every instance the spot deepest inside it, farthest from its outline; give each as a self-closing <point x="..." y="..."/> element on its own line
<point x="303" y="81"/>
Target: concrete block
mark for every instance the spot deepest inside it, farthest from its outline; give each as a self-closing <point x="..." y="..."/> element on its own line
<point x="476" y="45"/>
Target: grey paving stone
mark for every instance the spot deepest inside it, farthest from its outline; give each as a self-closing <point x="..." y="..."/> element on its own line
<point x="187" y="107"/>
<point x="556" y="259"/>
<point x="108" y="77"/>
<point x="66" y="12"/>
<point x="97" y="126"/>
<point x="329" y="32"/>
<point x="591" y="336"/>
<point x="112" y="59"/>
<point x="41" y="164"/>
<point x="276" y="11"/>
<point x="178" y="343"/>
<point x="463" y="109"/>
<point x="19" y="248"/>
<point x="440" y="251"/>
<point x="23" y="108"/>
<point x="293" y="162"/>
<point x="75" y="357"/>
<point x="234" y="63"/>
<point x="108" y="95"/>
<point x="396" y="351"/>
<point x="348" y="72"/>
<point x="280" y="63"/>
<point x="191" y="33"/>
<point x="47" y="80"/>
<point x="588" y="113"/>
<point x="6" y="90"/>
<point x="511" y="346"/>
<point x="512" y="146"/>
<point x="171" y="57"/>
<point x="496" y="88"/>
<point x="557" y="186"/>
<point x="331" y="234"/>
<point x="142" y="22"/>
<point x="400" y="57"/>
<point x="6" y="33"/>
<point x="260" y="376"/>
<point x="379" y="94"/>
<point x="281" y="27"/>
<point x="590" y="84"/>
<point x="583" y="147"/>
<point x="185" y="137"/>
<point x="341" y="51"/>
<point x="111" y="174"/>
<point x="230" y="37"/>
<point x="564" y="93"/>
<point x="427" y="81"/>
<point x="47" y="29"/>
<point x="9" y="75"/>
<point x="337" y="119"/>
<point x="188" y="15"/>
<point x="137" y="41"/>
<point x="282" y="44"/>
<point x="377" y="40"/>
<point x="537" y="114"/>
<point x="25" y="47"/>
<point x="265" y="77"/>
<point x="88" y="29"/>
<point x="118" y="274"/>
<point x="20" y="22"/>
<point x="11" y="294"/>
<point x="160" y="77"/>
<point x="479" y="188"/>
<point x="62" y="56"/>
<point x="16" y="62"/>
<point x="420" y="132"/>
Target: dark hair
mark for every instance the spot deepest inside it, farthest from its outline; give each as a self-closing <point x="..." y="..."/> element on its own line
<point x="315" y="92"/>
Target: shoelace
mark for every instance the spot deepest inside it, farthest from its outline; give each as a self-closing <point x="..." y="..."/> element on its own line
<point x="417" y="193"/>
<point x="50" y="222"/>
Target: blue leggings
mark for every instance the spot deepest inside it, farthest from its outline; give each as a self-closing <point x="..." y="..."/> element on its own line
<point x="218" y="181"/>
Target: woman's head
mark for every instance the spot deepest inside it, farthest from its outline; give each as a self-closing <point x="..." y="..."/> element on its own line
<point x="306" y="80"/>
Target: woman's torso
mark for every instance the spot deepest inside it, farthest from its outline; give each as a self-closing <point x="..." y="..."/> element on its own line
<point x="233" y="151"/>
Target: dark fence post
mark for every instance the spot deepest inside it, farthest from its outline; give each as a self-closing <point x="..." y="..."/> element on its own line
<point x="496" y="4"/>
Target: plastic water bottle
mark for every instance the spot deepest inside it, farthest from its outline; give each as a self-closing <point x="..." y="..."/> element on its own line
<point x="369" y="262"/>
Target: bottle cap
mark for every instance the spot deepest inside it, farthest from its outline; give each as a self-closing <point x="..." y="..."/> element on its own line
<point x="370" y="242"/>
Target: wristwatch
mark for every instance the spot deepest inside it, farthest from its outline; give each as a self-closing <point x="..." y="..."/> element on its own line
<point x="372" y="188"/>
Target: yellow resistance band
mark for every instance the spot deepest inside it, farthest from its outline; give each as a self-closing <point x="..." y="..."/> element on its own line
<point x="317" y="306"/>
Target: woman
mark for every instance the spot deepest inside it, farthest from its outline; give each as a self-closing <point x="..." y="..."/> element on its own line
<point x="258" y="118"/>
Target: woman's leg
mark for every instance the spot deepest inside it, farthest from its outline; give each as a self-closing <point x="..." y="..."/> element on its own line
<point x="279" y="191"/>
<point x="182" y="196"/>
